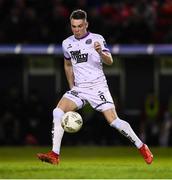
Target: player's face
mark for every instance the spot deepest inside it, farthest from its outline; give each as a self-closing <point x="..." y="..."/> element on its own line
<point x="79" y="27"/>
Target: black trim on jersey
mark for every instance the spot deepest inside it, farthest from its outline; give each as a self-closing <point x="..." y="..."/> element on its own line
<point x="105" y="50"/>
<point x="67" y="58"/>
<point x="103" y="103"/>
<point x="83" y="102"/>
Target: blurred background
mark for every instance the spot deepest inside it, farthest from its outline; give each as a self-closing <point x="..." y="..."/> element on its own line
<point x="32" y="83"/>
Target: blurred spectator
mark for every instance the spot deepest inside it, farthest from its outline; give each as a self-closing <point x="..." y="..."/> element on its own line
<point x="11" y="117"/>
<point x="56" y="22"/>
<point x="168" y="36"/>
<point x="166" y="125"/>
<point x="35" y="114"/>
<point x="125" y="21"/>
<point x="150" y="125"/>
<point x="30" y="19"/>
<point x="10" y="129"/>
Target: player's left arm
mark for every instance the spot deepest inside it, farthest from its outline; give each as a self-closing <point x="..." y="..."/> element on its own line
<point x="105" y="55"/>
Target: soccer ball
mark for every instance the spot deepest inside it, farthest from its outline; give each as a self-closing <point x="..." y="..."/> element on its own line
<point x="71" y="122"/>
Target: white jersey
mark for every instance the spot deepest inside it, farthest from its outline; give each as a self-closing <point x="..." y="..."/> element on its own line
<point x="86" y="62"/>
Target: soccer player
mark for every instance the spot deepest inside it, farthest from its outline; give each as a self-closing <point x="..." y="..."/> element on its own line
<point x="84" y="55"/>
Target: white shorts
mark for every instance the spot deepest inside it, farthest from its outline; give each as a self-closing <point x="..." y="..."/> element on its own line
<point x="98" y="97"/>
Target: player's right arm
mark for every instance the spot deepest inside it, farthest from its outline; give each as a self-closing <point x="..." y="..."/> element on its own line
<point x="101" y="47"/>
<point x="69" y="72"/>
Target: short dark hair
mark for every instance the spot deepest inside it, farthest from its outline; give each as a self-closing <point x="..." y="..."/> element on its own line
<point x="78" y="14"/>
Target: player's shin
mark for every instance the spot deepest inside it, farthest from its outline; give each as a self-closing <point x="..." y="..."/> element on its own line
<point x="124" y="128"/>
<point x="57" y="131"/>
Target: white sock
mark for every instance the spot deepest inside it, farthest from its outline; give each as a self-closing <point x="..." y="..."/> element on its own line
<point x="57" y="131"/>
<point x="124" y="128"/>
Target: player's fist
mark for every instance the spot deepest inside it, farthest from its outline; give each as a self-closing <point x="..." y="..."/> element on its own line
<point x="97" y="47"/>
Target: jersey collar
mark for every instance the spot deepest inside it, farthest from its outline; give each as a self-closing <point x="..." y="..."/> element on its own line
<point x="83" y="36"/>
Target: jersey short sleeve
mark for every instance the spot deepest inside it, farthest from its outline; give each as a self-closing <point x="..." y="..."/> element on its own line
<point x="65" y="52"/>
<point x="103" y="43"/>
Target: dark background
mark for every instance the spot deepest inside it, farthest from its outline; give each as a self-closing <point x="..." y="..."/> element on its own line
<point x="29" y="92"/>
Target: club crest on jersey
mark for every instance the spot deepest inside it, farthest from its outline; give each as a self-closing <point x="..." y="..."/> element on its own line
<point x="88" y="41"/>
<point x="78" y="57"/>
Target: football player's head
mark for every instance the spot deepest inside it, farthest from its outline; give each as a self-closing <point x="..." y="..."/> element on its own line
<point x="79" y="24"/>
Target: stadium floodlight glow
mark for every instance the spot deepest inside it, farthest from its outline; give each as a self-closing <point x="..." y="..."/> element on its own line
<point x="116" y="49"/>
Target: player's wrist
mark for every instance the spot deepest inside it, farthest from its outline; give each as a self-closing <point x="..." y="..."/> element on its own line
<point x="100" y="53"/>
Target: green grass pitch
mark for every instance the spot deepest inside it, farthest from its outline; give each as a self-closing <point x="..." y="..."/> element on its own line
<point x="85" y="162"/>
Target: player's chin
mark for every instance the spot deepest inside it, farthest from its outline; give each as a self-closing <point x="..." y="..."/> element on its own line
<point x="78" y="36"/>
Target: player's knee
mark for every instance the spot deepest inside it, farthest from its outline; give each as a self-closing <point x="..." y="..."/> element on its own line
<point x="119" y="124"/>
<point x="125" y="124"/>
<point x="57" y="114"/>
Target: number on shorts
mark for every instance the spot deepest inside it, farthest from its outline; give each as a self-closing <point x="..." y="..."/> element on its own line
<point x="102" y="97"/>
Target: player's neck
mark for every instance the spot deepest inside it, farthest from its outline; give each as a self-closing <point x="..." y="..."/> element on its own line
<point x="84" y="35"/>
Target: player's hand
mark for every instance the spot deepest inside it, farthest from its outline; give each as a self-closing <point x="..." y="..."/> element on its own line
<point x="97" y="47"/>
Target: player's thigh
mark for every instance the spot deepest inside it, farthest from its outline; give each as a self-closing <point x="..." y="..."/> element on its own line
<point x="66" y="104"/>
<point x="100" y="99"/>
<point x="74" y="100"/>
<point x="110" y="115"/>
